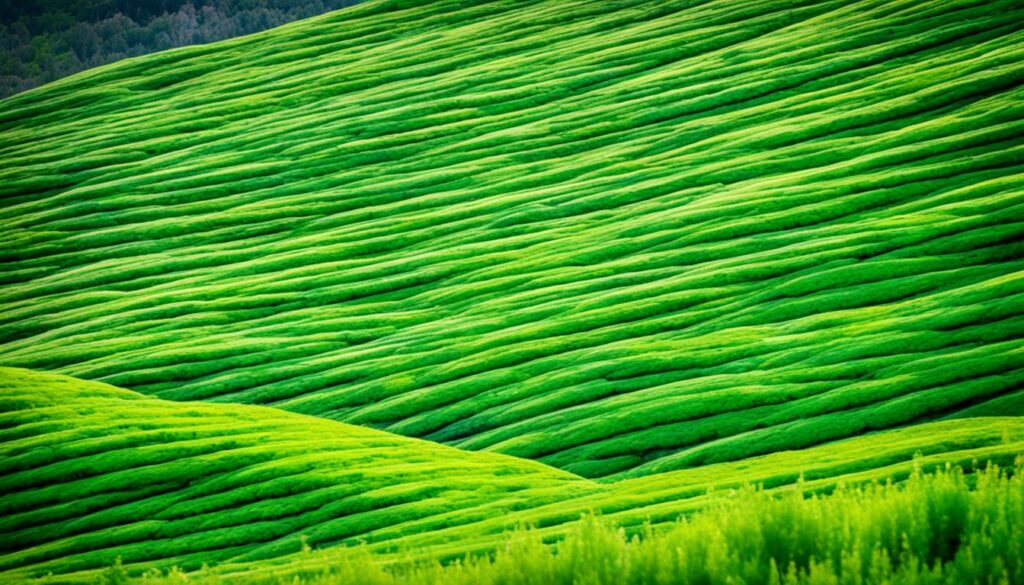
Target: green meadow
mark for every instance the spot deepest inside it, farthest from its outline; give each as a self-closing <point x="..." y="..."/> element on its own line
<point x="876" y="534"/>
<point x="510" y="291"/>
<point x="91" y="474"/>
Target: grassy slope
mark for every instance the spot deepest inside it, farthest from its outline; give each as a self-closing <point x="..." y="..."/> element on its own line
<point x="89" y="472"/>
<point x="934" y="529"/>
<point x="616" y="237"/>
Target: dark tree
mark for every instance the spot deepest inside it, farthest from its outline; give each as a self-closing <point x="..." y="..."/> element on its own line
<point x="44" y="40"/>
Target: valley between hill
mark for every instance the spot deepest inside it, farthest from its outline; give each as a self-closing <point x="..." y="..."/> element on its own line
<point x="415" y="273"/>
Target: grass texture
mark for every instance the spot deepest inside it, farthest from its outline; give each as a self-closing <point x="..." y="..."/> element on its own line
<point x="618" y="238"/>
<point x="933" y="529"/>
<point x="392" y="282"/>
<point x="90" y="473"/>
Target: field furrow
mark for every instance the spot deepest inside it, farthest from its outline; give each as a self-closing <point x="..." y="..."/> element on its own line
<point x="615" y="237"/>
<point x="89" y="472"/>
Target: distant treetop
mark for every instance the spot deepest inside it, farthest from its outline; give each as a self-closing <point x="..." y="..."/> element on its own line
<point x="44" y="40"/>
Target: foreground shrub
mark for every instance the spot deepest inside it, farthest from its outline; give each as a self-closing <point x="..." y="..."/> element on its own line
<point x="942" y="528"/>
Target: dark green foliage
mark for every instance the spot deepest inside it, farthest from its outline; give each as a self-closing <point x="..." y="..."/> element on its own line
<point x="44" y="40"/>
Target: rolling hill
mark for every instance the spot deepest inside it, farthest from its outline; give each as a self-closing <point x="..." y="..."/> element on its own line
<point x="415" y="273"/>
<point x="612" y="238"/>
<point x="90" y="473"/>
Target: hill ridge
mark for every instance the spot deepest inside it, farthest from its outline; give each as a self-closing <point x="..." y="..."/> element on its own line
<point x="610" y="237"/>
<point x="89" y="472"/>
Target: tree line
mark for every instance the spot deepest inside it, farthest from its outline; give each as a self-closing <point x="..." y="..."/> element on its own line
<point x="44" y="40"/>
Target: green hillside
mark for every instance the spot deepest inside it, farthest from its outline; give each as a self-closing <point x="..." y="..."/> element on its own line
<point x="90" y="473"/>
<point x="614" y="237"/>
<point x="416" y="273"/>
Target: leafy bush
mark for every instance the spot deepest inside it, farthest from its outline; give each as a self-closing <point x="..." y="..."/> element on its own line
<point x="936" y="528"/>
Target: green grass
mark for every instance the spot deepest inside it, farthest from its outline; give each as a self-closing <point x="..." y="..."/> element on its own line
<point x="615" y="237"/>
<point x="933" y="529"/>
<point x="416" y="272"/>
<point x="90" y="473"/>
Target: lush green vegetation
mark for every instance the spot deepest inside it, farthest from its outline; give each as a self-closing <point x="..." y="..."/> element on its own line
<point x="932" y="529"/>
<point x="615" y="237"/>
<point x="418" y="272"/>
<point x="90" y="473"/>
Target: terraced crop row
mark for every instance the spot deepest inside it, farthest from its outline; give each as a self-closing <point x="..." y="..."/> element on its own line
<point x="615" y="237"/>
<point x="89" y="472"/>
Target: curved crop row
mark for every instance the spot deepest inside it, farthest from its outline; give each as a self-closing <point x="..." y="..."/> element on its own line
<point x="89" y="473"/>
<point x="614" y="237"/>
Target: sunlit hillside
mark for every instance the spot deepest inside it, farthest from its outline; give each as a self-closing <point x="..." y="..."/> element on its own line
<point x="416" y="273"/>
